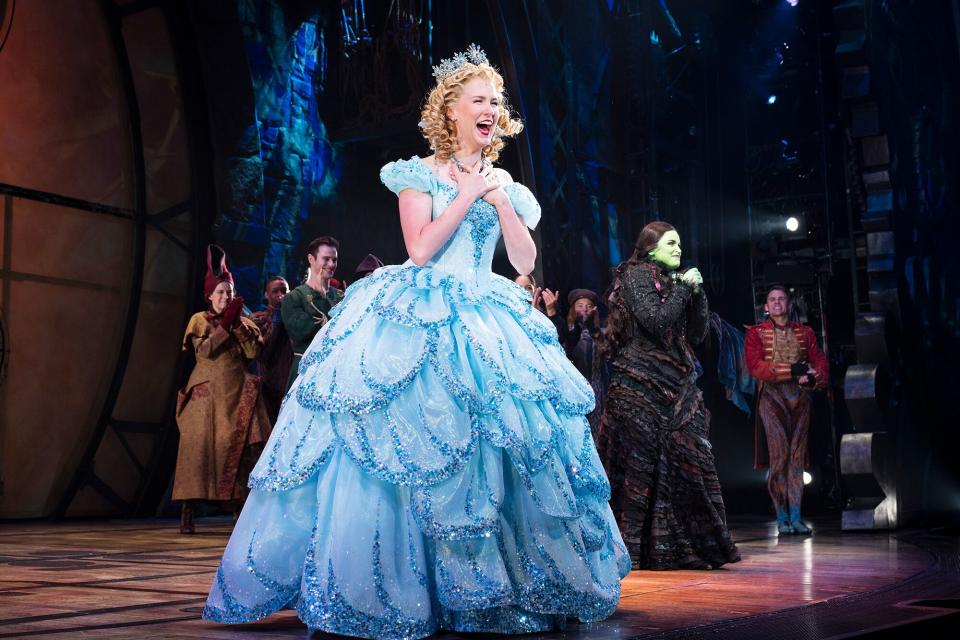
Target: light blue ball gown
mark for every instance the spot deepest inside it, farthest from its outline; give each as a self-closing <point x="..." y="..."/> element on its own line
<point x="431" y="466"/>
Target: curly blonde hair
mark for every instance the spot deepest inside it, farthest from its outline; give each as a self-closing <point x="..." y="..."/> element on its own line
<point x="439" y="129"/>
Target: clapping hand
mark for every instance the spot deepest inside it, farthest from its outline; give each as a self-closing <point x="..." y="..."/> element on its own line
<point x="537" y="299"/>
<point x="231" y="315"/>
<point x="549" y="301"/>
<point x="244" y="332"/>
<point x="592" y="320"/>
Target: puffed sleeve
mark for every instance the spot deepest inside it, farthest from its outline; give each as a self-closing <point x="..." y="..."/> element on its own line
<point x="523" y="203"/>
<point x="407" y="174"/>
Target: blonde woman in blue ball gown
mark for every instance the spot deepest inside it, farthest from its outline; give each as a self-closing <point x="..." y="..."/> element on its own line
<point x="431" y="467"/>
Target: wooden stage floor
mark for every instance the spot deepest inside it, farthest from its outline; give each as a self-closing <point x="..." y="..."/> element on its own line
<point x="141" y="579"/>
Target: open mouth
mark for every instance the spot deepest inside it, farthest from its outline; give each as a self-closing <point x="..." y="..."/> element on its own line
<point x="485" y="128"/>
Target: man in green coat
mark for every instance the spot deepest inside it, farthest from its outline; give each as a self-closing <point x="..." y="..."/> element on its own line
<point x="306" y="309"/>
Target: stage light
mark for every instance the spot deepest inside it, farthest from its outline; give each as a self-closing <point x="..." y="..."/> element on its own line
<point x="792" y="224"/>
<point x="793" y="3"/>
<point x="771" y="99"/>
<point x="807" y="478"/>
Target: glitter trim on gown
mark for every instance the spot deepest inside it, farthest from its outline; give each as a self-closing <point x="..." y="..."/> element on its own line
<point x="431" y="467"/>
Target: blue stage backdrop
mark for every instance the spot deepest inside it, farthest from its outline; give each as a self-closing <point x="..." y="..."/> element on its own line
<point x="266" y="66"/>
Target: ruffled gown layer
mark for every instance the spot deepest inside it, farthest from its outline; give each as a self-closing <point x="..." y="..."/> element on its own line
<point x="431" y="466"/>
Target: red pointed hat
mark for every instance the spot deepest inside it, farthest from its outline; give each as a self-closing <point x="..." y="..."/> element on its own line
<point x="215" y="274"/>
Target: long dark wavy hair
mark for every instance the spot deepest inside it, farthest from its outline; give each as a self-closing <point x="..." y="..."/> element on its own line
<point x="619" y="318"/>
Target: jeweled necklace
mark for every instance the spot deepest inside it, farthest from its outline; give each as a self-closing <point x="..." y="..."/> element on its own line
<point x="482" y="162"/>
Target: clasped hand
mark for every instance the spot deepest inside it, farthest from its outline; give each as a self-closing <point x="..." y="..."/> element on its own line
<point x="481" y="182"/>
<point x="692" y="277"/>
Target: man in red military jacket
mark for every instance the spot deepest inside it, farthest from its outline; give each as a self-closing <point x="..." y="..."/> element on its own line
<point x="784" y="357"/>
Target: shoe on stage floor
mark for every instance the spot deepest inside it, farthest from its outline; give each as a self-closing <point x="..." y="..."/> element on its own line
<point x="783" y="522"/>
<point x="186" y="518"/>
<point x="797" y="524"/>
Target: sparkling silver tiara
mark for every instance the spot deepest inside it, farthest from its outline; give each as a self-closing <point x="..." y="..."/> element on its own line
<point x="447" y="66"/>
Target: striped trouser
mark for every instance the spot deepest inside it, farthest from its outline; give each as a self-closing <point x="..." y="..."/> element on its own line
<point x="785" y="410"/>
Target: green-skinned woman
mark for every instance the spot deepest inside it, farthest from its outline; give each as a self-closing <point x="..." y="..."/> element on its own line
<point x="654" y="432"/>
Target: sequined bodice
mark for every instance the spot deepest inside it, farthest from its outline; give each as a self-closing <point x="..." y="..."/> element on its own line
<point x="469" y="251"/>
